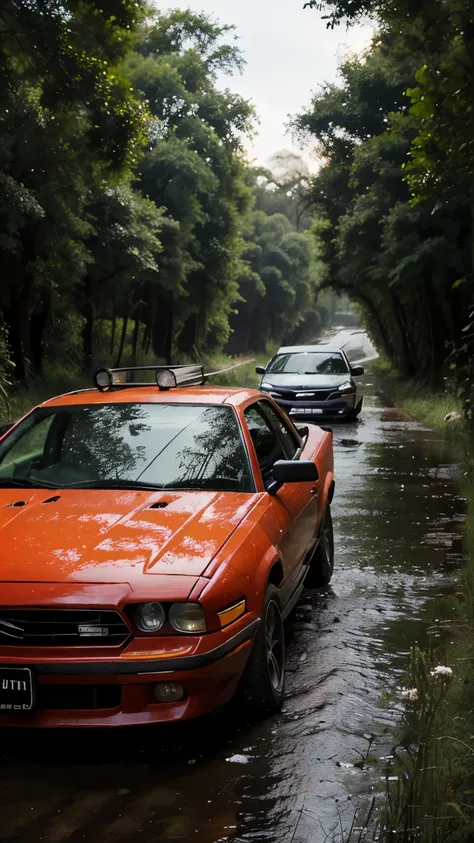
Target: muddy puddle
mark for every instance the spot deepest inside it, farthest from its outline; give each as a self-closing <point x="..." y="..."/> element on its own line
<point x="397" y="515"/>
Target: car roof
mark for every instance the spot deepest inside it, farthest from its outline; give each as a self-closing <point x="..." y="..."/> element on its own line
<point x="296" y="349"/>
<point x="152" y="395"/>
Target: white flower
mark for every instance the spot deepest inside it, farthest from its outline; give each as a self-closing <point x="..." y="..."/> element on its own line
<point x="410" y="694"/>
<point x="442" y="671"/>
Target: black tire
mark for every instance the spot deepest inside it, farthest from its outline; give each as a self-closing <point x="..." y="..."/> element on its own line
<point x="321" y="565"/>
<point x="262" y="688"/>
<point x="354" y="415"/>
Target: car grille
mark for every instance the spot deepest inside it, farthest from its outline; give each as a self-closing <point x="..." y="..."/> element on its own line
<point x="78" y="696"/>
<point x="62" y="628"/>
<point x="311" y="395"/>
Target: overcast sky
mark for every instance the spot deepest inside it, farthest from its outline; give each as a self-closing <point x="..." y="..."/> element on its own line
<point x="289" y="52"/>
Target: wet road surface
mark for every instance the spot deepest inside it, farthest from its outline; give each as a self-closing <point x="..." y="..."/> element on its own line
<point x="288" y="780"/>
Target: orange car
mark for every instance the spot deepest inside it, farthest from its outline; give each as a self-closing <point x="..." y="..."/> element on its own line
<point x="153" y="539"/>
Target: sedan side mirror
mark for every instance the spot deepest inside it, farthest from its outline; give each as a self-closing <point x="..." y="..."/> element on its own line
<point x="357" y="371"/>
<point x="292" y="471"/>
<point x="260" y="370"/>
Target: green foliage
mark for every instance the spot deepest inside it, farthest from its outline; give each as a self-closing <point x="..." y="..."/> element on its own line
<point x="398" y="259"/>
<point x="424" y="801"/>
<point x="131" y="225"/>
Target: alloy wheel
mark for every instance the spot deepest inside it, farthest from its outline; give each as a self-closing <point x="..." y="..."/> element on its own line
<point x="275" y="646"/>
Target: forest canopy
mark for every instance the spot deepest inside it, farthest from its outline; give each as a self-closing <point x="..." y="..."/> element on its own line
<point x="132" y="224"/>
<point x="395" y="190"/>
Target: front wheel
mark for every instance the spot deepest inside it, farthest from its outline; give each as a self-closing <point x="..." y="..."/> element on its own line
<point x="262" y="686"/>
<point x="321" y="565"/>
<point x="355" y="413"/>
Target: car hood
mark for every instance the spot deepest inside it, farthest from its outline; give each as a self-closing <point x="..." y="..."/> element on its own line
<point x="305" y="381"/>
<point x="103" y="536"/>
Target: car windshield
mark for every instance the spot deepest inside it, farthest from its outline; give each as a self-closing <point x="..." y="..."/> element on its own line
<point x="165" y="446"/>
<point x="309" y="363"/>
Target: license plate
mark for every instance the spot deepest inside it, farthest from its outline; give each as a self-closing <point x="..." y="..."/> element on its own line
<point x="305" y="411"/>
<point x="17" y="691"/>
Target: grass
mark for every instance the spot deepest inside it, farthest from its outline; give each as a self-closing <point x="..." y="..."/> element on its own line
<point x="416" y="399"/>
<point x="22" y="398"/>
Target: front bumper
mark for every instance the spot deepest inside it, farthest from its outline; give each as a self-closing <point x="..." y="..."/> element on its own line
<point x="121" y="689"/>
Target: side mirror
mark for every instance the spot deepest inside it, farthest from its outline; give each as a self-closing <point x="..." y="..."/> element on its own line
<point x="357" y="371"/>
<point x="260" y="370"/>
<point x="292" y="471"/>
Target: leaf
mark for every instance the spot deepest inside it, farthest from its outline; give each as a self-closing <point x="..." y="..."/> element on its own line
<point x="459" y="811"/>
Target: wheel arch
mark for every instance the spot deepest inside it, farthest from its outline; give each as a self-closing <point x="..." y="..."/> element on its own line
<point x="275" y="574"/>
<point x="328" y="491"/>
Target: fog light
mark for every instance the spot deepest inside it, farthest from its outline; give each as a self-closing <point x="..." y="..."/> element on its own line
<point x="168" y="692"/>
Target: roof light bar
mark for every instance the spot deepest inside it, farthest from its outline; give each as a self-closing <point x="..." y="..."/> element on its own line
<point x="166" y="377"/>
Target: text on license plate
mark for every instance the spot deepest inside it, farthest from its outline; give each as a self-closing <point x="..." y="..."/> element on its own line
<point x="16" y="689"/>
<point x="306" y="411"/>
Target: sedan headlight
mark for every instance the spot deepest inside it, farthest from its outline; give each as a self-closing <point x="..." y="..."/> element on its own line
<point x="347" y="388"/>
<point x="149" y="617"/>
<point x="187" y="617"/>
<point x="267" y="387"/>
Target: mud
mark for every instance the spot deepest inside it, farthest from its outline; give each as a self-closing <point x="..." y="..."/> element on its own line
<point x="299" y="776"/>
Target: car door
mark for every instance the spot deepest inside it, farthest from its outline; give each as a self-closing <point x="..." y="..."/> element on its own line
<point x="296" y="504"/>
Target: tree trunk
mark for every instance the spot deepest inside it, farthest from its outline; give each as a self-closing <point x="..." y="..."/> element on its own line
<point x="169" y="339"/>
<point x="114" y="322"/>
<point x="136" y="333"/>
<point x="406" y="358"/>
<point x="438" y="351"/>
<point x="87" y="330"/>
<point x="123" y="337"/>
<point x="387" y="346"/>
<point x="38" y="321"/>
<point x="162" y="326"/>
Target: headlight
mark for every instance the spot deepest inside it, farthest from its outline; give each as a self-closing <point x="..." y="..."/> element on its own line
<point x="149" y="617"/>
<point x="346" y="388"/>
<point x="187" y="617"/>
<point x="267" y="387"/>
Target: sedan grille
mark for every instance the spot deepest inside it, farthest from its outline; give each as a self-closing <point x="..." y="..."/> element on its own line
<point x="311" y="395"/>
<point x="62" y="628"/>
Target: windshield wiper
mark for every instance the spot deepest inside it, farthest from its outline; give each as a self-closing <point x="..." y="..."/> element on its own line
<point x="25" y="483"/>
<point x="119" y="485"/>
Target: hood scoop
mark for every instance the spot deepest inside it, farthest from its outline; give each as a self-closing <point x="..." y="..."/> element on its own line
<point x="53" y="499"/>
<point x="15" y="504"/>
<point x="159" y="505"/>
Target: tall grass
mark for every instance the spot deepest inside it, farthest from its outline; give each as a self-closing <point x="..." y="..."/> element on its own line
<point x="429" y="783"/>
<point x="424" y="781"/>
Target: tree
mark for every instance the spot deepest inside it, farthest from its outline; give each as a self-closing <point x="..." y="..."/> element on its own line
<point x="397" y="260"/>
<point x="196" y="169"/>
<point x="61" y="85"/>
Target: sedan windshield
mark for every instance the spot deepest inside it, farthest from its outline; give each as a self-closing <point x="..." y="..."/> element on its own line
<point x="309" y="363"/>
<point x="127" y="446"/>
